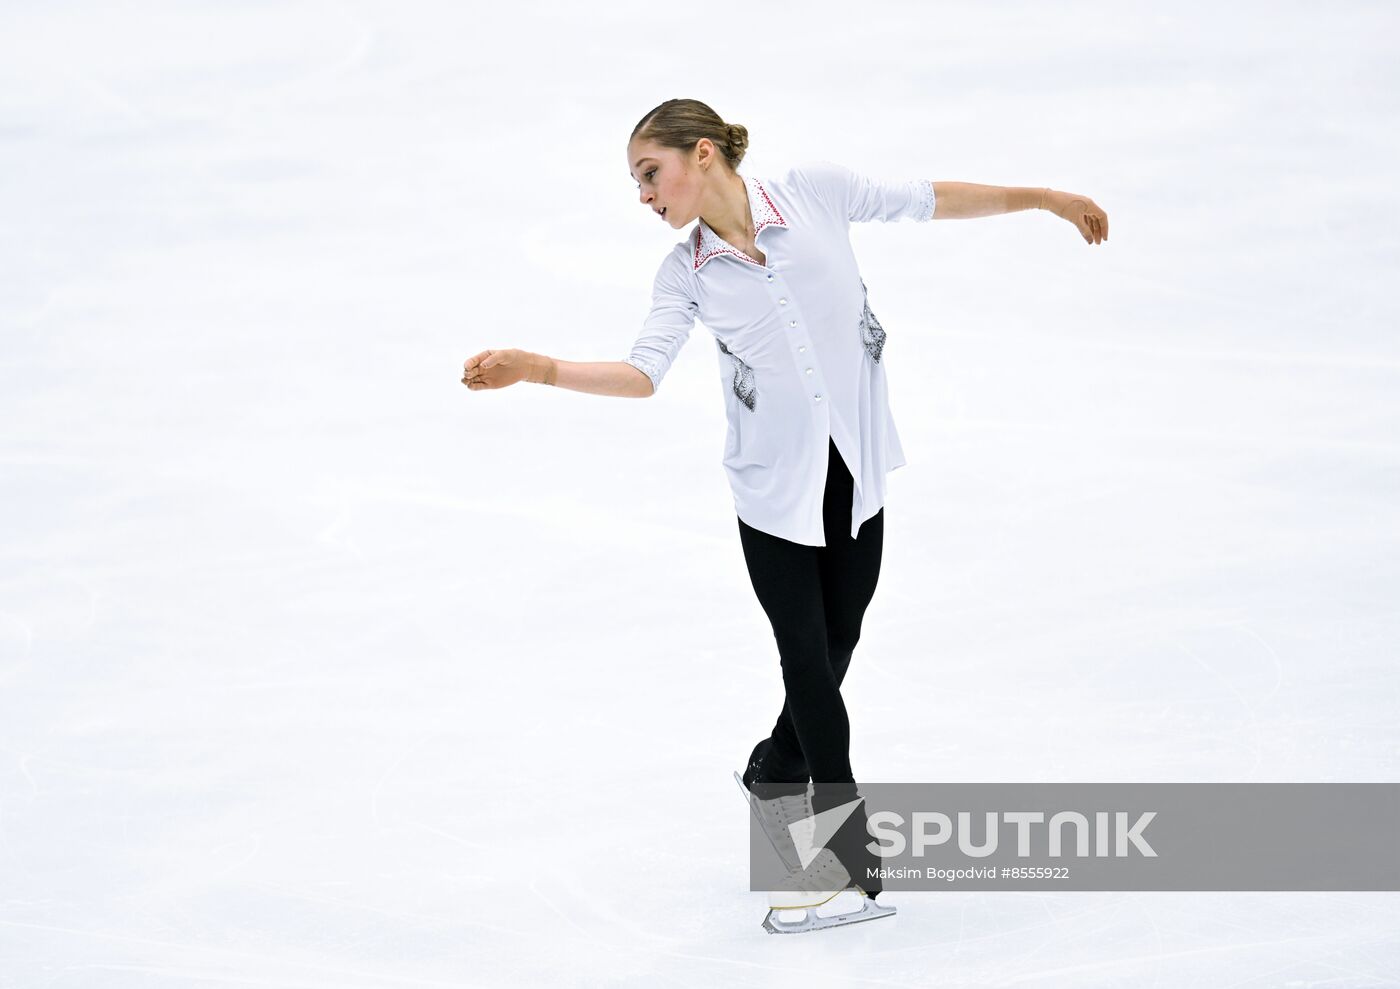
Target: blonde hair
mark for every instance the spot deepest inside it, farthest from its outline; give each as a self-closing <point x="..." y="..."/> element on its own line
<point x="680" y="124"/>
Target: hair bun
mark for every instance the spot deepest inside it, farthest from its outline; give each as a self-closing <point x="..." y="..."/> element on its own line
<point x="738" y="136"/>
<point x="681" y="124"/>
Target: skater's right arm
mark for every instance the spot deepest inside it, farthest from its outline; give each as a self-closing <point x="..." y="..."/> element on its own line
<point x="664" y="332"/>
<point x="499" y="368"/>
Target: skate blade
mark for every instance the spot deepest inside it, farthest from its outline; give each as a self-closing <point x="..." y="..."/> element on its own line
<point x="812" y="921"/>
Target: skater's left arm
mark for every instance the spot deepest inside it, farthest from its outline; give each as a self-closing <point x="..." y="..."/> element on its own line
<point x="966" y="200"/>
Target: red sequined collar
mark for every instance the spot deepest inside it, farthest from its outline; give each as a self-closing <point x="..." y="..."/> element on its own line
<point x="709" y="244"/>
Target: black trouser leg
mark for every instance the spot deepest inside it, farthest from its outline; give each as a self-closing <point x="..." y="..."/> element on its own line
<point x="787" y="579"/>
<point x="850" y="570"/>
<point x="846" y="573"/>
<point x="815" y="598"/>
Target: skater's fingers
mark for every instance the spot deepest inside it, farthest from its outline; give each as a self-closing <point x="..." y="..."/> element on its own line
<point x="475" y="374"/>
<point x="1098" y="221"/>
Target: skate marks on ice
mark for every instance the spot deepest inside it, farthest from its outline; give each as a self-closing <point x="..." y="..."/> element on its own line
<point x="811" y="897"/>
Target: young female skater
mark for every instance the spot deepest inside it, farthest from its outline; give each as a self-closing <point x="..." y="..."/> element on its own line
<point x="770" y="272"/>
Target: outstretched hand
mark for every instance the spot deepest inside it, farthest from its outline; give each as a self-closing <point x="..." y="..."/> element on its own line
<point x="495" y="369"/>
<point x="1087" y="215"/>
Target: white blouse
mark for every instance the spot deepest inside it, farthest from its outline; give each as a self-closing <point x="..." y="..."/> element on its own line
<point x="800" y="352"/>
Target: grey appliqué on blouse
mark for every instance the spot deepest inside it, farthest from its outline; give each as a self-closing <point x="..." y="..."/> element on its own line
<point x="872" y="334"/>
<point x="744" y="386"/>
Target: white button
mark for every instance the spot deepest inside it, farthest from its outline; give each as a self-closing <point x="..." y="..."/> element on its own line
<point x="802" y="350"/>
<point x="819" y="398"/>
<point x="770" y="278"/>
<point x="782" y="302"/>
<point x="792" y="322"/>
<point x="809" y="370"/>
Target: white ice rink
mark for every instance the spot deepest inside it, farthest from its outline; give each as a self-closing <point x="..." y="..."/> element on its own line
<point x="318" y="670"/>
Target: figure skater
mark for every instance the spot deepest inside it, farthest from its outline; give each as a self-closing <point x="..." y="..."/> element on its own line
<point x="770" y="271"/>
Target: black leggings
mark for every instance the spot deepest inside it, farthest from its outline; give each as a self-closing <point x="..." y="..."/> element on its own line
<point x="815" y="598"/>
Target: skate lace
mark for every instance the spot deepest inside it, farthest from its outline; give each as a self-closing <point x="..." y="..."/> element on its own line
<point x="825" y="873"/>
<point x="791" y="809"/>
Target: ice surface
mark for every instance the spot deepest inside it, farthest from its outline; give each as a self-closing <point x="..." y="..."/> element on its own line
<point x="319" y="670"/>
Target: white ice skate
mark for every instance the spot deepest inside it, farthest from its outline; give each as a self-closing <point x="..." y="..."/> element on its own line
<point x="825" y="883"/>
<point x="818" y="897"/>
<point x="775" y="816"/>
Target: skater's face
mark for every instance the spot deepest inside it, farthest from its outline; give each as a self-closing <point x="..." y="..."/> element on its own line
<point x="669" y="179"/>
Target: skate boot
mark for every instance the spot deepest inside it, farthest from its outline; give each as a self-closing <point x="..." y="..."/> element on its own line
<point x="818" y="897"/>
<point x="776" y="806"/>
<point x="776" y="815"/>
